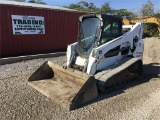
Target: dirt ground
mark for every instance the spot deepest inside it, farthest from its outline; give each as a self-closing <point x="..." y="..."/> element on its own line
<point x="139" y="99"/>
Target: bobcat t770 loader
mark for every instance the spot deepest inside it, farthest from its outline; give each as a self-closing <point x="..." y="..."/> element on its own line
<point x="103" y="56"/>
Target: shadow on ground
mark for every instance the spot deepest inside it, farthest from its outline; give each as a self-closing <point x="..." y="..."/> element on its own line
<point x="150" y="71"/>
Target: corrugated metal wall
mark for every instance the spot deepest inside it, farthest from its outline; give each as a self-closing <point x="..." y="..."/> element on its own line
<point x="61" y="28"/>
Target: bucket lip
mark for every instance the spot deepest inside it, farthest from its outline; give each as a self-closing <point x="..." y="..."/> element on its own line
<point x="69" y="71"/>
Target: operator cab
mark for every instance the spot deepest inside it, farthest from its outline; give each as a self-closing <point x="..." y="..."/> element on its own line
<point x="96" y="30"/>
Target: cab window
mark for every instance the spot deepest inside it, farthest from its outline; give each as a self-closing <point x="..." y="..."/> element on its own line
<point x="110" y="31"/>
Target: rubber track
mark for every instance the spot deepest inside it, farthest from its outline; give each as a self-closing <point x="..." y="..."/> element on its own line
<point x="113" y="72"/>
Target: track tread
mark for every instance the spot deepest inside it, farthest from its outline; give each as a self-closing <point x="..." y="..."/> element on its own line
<point x="118" y="74"/>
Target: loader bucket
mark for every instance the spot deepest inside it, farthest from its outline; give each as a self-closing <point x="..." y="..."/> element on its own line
<point x="67" y="87"/>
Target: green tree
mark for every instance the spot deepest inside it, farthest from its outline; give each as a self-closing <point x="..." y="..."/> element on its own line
<point x="91" y="7"/>
<point x="32" y="1"/>
<point x="106" y="9"/>
<point x="72" y="6"/>
<point x="40" y="2"/>
<point x="147" y="9"/>
<point x="83" y="4"/>
<point x="19" y="0"/>
<point x="36" y="1"/>
<point x="157" y="15"/>
<point x="123" y="13"/>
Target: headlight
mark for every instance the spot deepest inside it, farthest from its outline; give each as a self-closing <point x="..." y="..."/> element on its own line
<point x="94" y="52"/>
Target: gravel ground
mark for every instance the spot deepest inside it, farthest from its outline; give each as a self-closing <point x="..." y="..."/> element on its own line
<point x="137" y="100"/>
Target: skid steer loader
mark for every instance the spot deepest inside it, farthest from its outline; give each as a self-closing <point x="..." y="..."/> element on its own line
<point x="103" y="56"/>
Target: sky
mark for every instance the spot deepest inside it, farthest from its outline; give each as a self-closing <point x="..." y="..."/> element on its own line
<point x="116" y="4"/>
